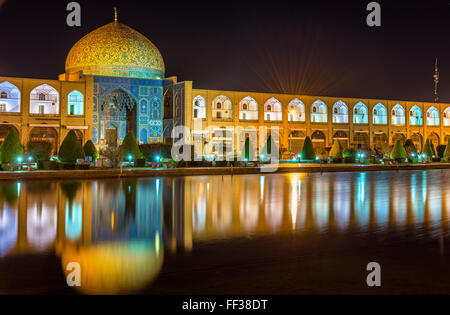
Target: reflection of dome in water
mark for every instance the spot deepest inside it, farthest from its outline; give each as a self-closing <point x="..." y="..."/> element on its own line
<point x="116" y="268"/>
<point x="116" y="50"/>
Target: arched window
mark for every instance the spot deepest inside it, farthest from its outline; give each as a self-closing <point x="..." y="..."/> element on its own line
<point x="75" y="104"/>
<point x="360" y="114"/>
<point x="415" y="116"/>
<point x="432" y="116"/>
<point x="272" y="110"/>
<point x="248" y="109"/>
<point x="222" y="108"/>
<point x="199" y="104"/>
<point x="379" y="115"/>
<point x="9" y="98"/>
<point x="398" y="115"/>
<point x="44" y="99"/>
<point x="447" y="117"/>
<point x="319" y="112"/>
<point x="296" y="110"/>
<point x="340" y="113"/>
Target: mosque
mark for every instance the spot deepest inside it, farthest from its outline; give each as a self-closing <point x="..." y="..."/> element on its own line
<point x="114" y="82"/>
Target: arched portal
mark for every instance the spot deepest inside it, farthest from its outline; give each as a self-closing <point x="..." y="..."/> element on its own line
<point x="380" y="140"/>
<point x="417" y="139"/>
<point x="318" y="139"/>
<point x="47" y="134"/>
<point x="4" y="129"/>
<point x="119" y="115"/>
<point x="398" y="136"/>
<point x="361" y="140"/>
<point x="342" y="137"/>
<point x="435" y="138"/>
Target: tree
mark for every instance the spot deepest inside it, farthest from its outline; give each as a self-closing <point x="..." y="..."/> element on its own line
<point x="427" y="149"/>
<point x="40" y="150"/>
<point x="11" y="148"/>
<point x="90" y="150"/>
<point x="432" y="147"/>
<point x="114" y="155"/>
<point x="271" y="148"/>
<point x="248" y="151"/>
<point x="398" y="153"/>
<point x="130" y="147"/>
<point x="336" y="150"/>
<point x="349" y="155"/>
<point x="447" y="152"/>
<point x="70" y="149"/>
<point x="308" y="150"/>
<point x="410" y="149"/>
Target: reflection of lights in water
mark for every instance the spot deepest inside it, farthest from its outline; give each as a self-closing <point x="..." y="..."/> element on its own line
<point x="248" y="204"/>
<point x="157" y="186"/>
<point x="199" y="208"/>
<point x="261" y="184"/>
<point x="74" y="221"/>
<point x="19" y="186"/>
<point x="296" y="189"/>
<point x="41" y="225"/>
<point x="341" y="202"/>
<point x="117" y="267"/>
<point x="8" y="229"/>
<point x="362" y="202"/>
<point x="112" y="221"/>
<point x="321" y="203"/>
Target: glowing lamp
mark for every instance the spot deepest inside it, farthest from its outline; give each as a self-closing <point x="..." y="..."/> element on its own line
<point x="317" y="158"/>
<point x="30" y="159"/>
<point x="158" y="158"/>
<point x="19" y="159"/>
<point x="130" y="157"/>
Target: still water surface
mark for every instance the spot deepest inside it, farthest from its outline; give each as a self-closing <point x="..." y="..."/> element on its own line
<point x="268" y="234"/>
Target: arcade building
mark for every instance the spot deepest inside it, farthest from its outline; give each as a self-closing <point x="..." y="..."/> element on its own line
<point x="115" y="82"/>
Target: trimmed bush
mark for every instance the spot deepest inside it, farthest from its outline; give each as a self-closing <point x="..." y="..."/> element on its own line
<point x="447" y="152"/>
<point x="440" y="149"/>
<point x="70" y="149"/>
<point x="349" y="155"/>
<point x="270" y="148"/>
<point x="248" y="151"/>
<point x="40" y="150"/>
<point x="410" y="149"/>
<point x="151" y="150"/>
<point x="433" y="148"/>
<point x="427" y="149"/>
<point x="11" y="148"/>
<point x="308" y="150"/>
<point x="90" y="150"/>
<point x="398" y="153"/>
<point x="336" y="150"/>
<point x="130" y="147"/>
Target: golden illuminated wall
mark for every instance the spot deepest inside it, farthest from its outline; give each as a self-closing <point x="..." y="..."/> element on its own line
<point x="24" y="122"/>
<point x="329" y="128"/>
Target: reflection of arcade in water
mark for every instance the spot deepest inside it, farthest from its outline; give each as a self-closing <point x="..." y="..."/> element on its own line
<point x="112" y="229"/>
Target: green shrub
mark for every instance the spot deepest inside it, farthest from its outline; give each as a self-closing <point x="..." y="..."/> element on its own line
<point x="308" y="150"/>
<point x="427" y="149"/>
<point x="70" y="149"/>
<point x="11" y="148"/>
<point x="398" y="153"/>
<point x="349" y="155"/>
<point x="271" y="148"/>
<point x="130" y="147"/>
<point x="90" y="150"/>
<point x="336" y="150"/>
<point x="433" y="147"/>
<point x="151" y="150"/>
<point x="447" y="152"/>
<point x="410" y="149"/>
<point x="40" y="150"/>
<point x="248" y="151"/>
<point x="440" y="149"/>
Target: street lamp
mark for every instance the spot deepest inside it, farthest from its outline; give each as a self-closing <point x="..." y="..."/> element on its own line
<point x="130" y="157"/>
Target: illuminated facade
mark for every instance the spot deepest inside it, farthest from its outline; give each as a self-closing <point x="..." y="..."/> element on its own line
<point x="115" y="83"/>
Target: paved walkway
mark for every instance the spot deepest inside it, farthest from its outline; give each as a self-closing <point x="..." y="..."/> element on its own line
<point x="266" y="169"/>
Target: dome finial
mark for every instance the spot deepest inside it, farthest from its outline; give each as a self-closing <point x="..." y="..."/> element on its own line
<point x="115" y="14"/>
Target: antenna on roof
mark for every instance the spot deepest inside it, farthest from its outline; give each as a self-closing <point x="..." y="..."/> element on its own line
<point x="436" y="81"/>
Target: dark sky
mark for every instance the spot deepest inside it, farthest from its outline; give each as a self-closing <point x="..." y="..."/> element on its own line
<point x="304" y="47"/>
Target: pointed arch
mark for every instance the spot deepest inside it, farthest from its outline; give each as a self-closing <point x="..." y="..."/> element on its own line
<point x="340" y="113"/>
<point x="222" y="108"/>
<point x="248" y="109"/>
<point x="360" y="113"/>
<point x="272" y="110"/>
<point x="415" y="116"/>
<point x="447" y="116"/>
<point x="319" y="112"/>
<point x="433" y="116"/>
<point x="398" y="115"/>
<point x="199" y="107"/>
<point x="9" y="98"/>
<point x="75" y="104"/>
<point x="44" y="100"/>
<point x="379" y="114"/>
<point x="296" y="110"/>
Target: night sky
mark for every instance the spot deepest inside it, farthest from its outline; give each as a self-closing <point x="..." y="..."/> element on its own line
<point x="302" y="47"/>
